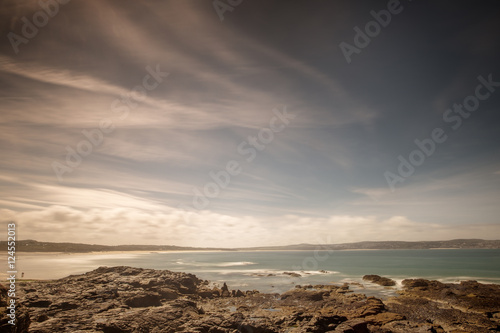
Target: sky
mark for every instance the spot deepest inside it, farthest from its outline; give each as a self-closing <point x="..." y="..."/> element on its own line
<point x="234" y="123"/>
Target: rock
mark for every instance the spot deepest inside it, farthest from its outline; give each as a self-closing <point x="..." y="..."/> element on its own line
<point x="353" y="326"/>
<point x="41" y="317"/>
<point x="126" y="299"/>
<point x="225" y="291"/>
<point x="292" y="274"/>
<point x="383" y="281"/>
<point x="170" y="294"/>
<point x="467" y="306"/>
<point x="3" y="295"/>
<point x="384" y="318"/>
<point x="42" y="303"/>
<point x="415" y="283"/>
<point x="63" y="306"/>
<point x="22" y="321"/>
<point x="370" y="306"/>
<point x="300" y="294"/>
<point x="144" y="300"/>
<point x="22" y="318"/>
<point x="208" y="294"/>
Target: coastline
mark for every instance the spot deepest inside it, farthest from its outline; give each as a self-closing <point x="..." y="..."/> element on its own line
<point x="126" y="299"/>
<point x="240" y="250"/>
<point x="219" y="265"/>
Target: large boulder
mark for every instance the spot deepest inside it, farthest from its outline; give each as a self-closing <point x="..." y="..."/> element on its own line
<point x="382" y="281"/>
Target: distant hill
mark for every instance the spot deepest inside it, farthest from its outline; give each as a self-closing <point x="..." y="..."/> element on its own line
<point x="392" y="245"/>
<point x="35" y="246"/>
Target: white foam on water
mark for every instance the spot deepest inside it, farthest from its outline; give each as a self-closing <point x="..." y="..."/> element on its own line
<point x="309" y="273"/>
<point x="235" y="263"/>
<point x="246" y="272"/>
<point x="459" y="279"/>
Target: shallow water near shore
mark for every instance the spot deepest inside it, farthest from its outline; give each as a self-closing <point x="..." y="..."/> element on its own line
<point x="263" y="270"/>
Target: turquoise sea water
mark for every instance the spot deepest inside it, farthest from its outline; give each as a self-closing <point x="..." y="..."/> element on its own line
<point x="263" y="270"/>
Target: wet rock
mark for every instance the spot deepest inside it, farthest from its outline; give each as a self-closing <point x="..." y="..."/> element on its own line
<point x="382" y="281"/>
<point x="416" y="283"/>
<point x="467" y="306"/>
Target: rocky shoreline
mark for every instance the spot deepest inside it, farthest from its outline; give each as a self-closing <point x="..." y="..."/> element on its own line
<point x="126" y="299"/>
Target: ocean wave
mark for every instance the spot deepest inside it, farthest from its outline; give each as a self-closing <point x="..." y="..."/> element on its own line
<point x="457" y="279"/>
<point x="247" y="272"/>
<point x="214" y="264"/>
<point x="306" y="273"/>
<point x="235" y="263"/>
<point x="271" y="272"/>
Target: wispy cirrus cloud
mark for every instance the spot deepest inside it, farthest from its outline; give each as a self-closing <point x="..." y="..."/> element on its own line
<point x="323" y="174"/>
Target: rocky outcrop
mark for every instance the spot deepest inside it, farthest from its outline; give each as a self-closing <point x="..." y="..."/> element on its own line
<point x="20" y="316"/>
<point x="382" y="281"/>
<point x="125" y="299"/>
<point x="465" y="307"/>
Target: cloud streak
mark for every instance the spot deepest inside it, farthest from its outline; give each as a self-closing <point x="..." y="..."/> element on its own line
<point x="139" y="226"/>
<point x="323" y="175"/>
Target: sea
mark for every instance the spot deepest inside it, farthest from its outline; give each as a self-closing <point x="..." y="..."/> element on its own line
<point x="268" y="271"/>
